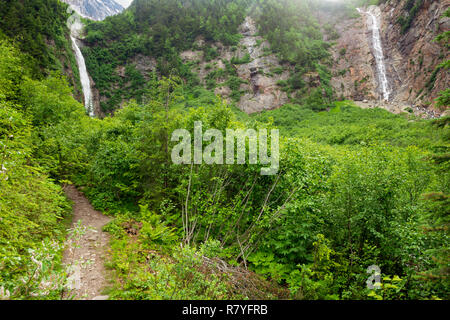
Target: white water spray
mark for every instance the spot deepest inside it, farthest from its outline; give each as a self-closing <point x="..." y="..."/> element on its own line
<point x="373" y="13"/>
<point x="75" y="27"/>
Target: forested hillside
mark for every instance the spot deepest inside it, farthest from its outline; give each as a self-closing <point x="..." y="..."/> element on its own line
<point x="39" y="30"/>
<point x="211" y="28"/>
<point x="355" y="187"/>
<point x="160" y="30"/>
<point x="33" y="208"/>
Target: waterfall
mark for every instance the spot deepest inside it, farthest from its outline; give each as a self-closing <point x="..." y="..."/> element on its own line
<point x="84" y="77"/>
<point x="374" y="25"/>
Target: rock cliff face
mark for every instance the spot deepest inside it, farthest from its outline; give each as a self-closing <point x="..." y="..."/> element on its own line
<point x="414" y="56"/>
<point x="259" y="84"/>
<point x="411" y="58"/>
<point x="95" y="9"/>
<point x="261" y="89"/>
<point x="354" y="76"/>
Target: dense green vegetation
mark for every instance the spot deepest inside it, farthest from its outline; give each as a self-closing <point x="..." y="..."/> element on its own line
<point x="346" y="124"/>
<point x="355" y="187"/>
<point x="344" y="9"/>
<point x="298" y="41"/>
<point x="39" y="29"/>
<point x="337" y="206"/>
<point x="33" y="208"/>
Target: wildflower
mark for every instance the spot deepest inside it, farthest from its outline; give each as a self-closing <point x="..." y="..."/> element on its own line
<point x="4" y="294"/>
<point x="3" y="171"/>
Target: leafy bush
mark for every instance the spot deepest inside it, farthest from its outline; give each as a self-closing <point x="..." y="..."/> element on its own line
<point x="412" y="7"/>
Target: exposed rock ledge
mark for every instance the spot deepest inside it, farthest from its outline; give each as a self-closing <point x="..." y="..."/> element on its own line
<point x="261" y="91"/>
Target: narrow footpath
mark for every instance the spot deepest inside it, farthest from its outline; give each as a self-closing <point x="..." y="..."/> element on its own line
<point x="86" y="250"/>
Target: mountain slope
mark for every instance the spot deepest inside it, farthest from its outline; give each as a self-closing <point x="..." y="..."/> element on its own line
<point x="95" y="9"/>
<point x="39" y="29"/>
<point x="243" y="52"/>
<point x="227" y="47"/>
<point x="412" y="57"/>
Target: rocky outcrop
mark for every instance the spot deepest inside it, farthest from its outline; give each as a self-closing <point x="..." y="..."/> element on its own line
<point x="414" y="56"/>
<point x="144" y="64"/>
<point x="262" y="91"/>
<point x="95" y="9"/>
<point x="353" y="61"/>
<point x="259" y="89"/>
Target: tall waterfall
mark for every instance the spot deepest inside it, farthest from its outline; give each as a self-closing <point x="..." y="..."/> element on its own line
<point x="373" y="13"/>
<point x="84" y="77"/>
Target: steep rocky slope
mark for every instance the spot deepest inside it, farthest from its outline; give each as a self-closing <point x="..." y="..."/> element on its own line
<point x="95" y="9"/>
<point x="257" y="71"/>
<point x="411" y="57"/>
<point x="39" y="29"/>
<point x="255" y="82"/>
<point x="414" y="55"/>
<point x="259" y="90"/>
<point x="248" y="74"/>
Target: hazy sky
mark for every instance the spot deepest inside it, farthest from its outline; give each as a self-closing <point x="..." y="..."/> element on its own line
<point x="124" y="3"/>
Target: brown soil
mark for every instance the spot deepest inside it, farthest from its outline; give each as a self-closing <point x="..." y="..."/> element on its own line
<point x="85" y="253"/>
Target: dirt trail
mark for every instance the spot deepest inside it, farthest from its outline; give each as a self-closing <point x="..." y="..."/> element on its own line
<point x="86" y="252"/>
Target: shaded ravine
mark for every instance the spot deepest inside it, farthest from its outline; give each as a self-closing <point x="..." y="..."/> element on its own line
<point x="86" y="250"/>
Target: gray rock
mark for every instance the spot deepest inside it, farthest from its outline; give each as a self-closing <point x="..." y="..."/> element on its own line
<point x="95" y="9"/>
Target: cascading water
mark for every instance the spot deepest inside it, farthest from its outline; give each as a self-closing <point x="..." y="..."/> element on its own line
<point x="84" y="77"/>
<point x="372" y="13"/>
